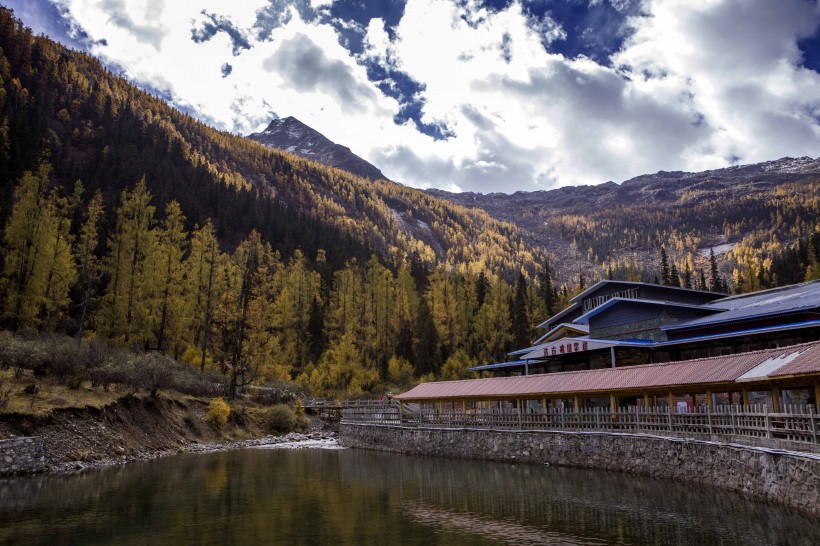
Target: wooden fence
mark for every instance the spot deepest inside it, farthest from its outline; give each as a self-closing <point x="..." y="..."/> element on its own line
<point x="799" y="424"/>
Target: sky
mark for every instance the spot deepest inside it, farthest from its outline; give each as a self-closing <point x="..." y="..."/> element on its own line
<point x="483" y="96"/>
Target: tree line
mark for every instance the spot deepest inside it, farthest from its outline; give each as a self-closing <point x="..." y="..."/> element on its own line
<point x="137" y="276"/>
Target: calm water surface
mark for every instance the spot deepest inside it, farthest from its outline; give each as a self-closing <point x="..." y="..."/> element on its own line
<point x="317" y="496"/>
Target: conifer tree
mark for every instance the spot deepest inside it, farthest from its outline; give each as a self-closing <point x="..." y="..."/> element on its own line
<point x="493" y="329"/>
<point x="203" y="289"/>
<point x="38" y="268"/>
<point x="665" y="273"/>
<point x="674" y="277"/>
<point x="441" y="301"/>
<point x="687" y="275"/>
<point x="482" y="285"/>
<point x="427" y="358"/>
<point x="241" y="329"/>
<point x="702" y="279"/>
<point x="548" y="290"/>
<point x="124" y="310"/>
<point x="715" y="281"/>
<point x="406" y="309"/>
<point x="813" y="267"/>
<point x="167" y="271"/>
<point x="518" y="314"/>
<point x="88" y="265"/>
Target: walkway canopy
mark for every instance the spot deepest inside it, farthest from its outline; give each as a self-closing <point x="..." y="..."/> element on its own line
<point x="790" y="367"/>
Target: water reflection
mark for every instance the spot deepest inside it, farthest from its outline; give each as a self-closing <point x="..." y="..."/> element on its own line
<point x="359" y="497"/>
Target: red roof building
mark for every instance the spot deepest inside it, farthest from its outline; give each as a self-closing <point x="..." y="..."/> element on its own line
<point x="774" y="377"/>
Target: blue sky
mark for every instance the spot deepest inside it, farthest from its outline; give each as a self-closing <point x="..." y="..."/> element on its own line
<point x="470" y="95"/>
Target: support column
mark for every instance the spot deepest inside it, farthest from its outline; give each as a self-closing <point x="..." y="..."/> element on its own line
<point x="612" y="355"/>
<point x="646" y="400"/>
<point x="577" y="403"/>
<point x="671" y="401"/>
<point x="817" y="395"/>
<point x="776" y="399"/>
<point x="612" y="402"/>
<point x="744" y="395"/>
<point x="710" y="401"/>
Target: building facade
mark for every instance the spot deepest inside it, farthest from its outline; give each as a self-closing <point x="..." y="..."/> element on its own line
<point x="621" y="323"/>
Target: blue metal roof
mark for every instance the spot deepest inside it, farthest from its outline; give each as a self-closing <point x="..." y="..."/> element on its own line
<point x="777" y="301"/>
<point x="761" y="330"/>
<point x="597" y="285"/>
<point x="648" y="343"/>
<point x="584" y="319"/>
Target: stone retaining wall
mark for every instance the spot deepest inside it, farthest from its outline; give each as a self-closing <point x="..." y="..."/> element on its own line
<point x="787" y="478"/>
<point x="21" y="456"/>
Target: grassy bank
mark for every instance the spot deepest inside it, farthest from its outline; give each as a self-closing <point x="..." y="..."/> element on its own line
<point x="94" y="402"/>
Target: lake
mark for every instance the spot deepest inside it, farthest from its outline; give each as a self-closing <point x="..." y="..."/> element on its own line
<point x="346" y="496"/>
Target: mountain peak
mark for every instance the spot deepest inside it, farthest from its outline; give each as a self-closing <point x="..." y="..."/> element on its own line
<point x="291" y="135"/>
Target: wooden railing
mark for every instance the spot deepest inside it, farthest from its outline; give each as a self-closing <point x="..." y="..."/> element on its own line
<point x="798" y="424"/>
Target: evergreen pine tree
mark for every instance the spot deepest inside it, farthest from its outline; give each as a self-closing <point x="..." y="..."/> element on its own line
<point x="518" y="314"/>
<point x="548" y="290"/>
<point x="813" y="267"/>
<point x="665" y="276"/>
<point x="674" y="277"/>
<point x="716" y="283"/>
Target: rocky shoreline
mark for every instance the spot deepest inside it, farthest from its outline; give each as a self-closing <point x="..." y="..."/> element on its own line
<point x="141" y="427"/>
<point x="323" y="439"/>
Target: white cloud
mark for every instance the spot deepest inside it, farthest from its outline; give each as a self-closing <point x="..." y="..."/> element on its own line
<point x="696" y="85"/>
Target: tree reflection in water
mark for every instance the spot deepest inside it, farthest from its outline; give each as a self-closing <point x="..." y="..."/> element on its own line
<point x="358" y="497"/>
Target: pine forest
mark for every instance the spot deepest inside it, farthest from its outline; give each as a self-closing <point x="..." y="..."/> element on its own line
<point x="126" y="220"/>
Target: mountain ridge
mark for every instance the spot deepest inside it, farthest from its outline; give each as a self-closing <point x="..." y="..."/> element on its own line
<point x="749" y="212"/>
<point x="291" y="135"/>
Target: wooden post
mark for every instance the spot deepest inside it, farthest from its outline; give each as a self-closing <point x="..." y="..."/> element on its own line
<point x="577" y="403"/>
<point x="775" y="399"/>
<point x="817" y="395"/>
<point x="612" y="402"/>
<point x="710" y="402"/>
<point x="744" y="395"/>
<point x="646" y="401"/>
<point x="671" y="401"/>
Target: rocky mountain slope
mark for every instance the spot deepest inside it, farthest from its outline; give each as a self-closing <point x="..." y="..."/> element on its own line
<point x="762" y="205"/>
<point x="99" y="128"/>
<point x="291" y="135"/>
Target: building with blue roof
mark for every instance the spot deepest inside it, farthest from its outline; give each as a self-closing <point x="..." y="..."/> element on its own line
<point x="622" y="323"/>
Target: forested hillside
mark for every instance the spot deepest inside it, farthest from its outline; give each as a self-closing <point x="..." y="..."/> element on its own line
<point x="127" y="220"/>
<point x="758" y="218"/>
<point x="65" y="108"/>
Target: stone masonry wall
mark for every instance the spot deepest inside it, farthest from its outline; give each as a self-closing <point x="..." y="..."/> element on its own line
<point x="784" y="477"/>
<point x="21" y="456"/>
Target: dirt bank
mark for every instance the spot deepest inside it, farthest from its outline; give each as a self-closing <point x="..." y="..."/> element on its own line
<point x="139" y="427"/>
